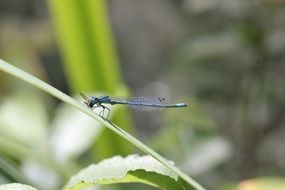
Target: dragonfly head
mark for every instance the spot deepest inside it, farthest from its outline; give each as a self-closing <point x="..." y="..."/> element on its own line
<point x="89" y="101"/>
<point x="92" y="101"/>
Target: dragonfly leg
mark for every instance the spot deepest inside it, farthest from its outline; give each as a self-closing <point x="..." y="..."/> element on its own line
<point x="103" y="111"/>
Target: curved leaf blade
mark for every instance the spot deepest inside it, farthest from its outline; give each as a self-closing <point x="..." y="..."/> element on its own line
<point x="132" y="169"/>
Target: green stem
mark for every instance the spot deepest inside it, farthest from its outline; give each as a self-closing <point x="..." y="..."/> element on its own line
<point x="12" y="70"/>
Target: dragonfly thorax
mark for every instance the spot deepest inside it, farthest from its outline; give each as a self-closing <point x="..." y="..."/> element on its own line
<point x="93" y="100"/>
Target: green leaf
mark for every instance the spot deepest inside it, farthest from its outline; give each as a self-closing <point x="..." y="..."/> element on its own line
<point x="14" y="71"/>
<point x="16" y="186"/>
<point x="131" y="169"/>
<point x="86" y="43"/>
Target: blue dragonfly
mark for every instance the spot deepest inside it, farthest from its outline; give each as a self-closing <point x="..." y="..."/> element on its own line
<point x="140" y="103"/>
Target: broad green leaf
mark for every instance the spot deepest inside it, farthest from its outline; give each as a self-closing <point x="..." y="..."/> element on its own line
<point x="16" y="186"/>
<point x="132" y="169"/>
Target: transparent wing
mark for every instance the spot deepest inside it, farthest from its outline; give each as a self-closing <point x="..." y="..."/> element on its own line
<point x="147" y="103"/>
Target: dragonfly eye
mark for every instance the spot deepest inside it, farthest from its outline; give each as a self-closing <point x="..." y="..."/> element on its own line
<point x="90" y="103"/>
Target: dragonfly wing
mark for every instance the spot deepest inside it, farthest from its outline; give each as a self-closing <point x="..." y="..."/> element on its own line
<point x="147" y="103"/>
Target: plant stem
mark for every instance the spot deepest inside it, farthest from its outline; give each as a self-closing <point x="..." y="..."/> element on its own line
<point x="12" y="70"/>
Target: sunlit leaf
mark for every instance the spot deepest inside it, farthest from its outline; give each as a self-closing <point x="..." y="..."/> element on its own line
<point x="86" y="44"/>
<point x="16" y="186"/>
<point x="68" y="128"/>
<point x="132" y="169"/>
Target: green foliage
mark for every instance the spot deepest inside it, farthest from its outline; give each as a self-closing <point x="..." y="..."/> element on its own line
<point x="252" y="33"/>
<point x="53" y="91"/>
<point x="132" y="169"/>
<point x="86" y="44"/>
<point x="90" y="61"/>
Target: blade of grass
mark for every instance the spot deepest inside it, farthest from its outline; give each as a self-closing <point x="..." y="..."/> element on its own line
<point x="9" y="167"/>
<point x="86" y="42"/>
<point x="12" y="70"/>
<point x="90" y="61"/>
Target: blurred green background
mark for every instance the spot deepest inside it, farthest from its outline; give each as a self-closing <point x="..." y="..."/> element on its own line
<point x="225" y="58"/>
